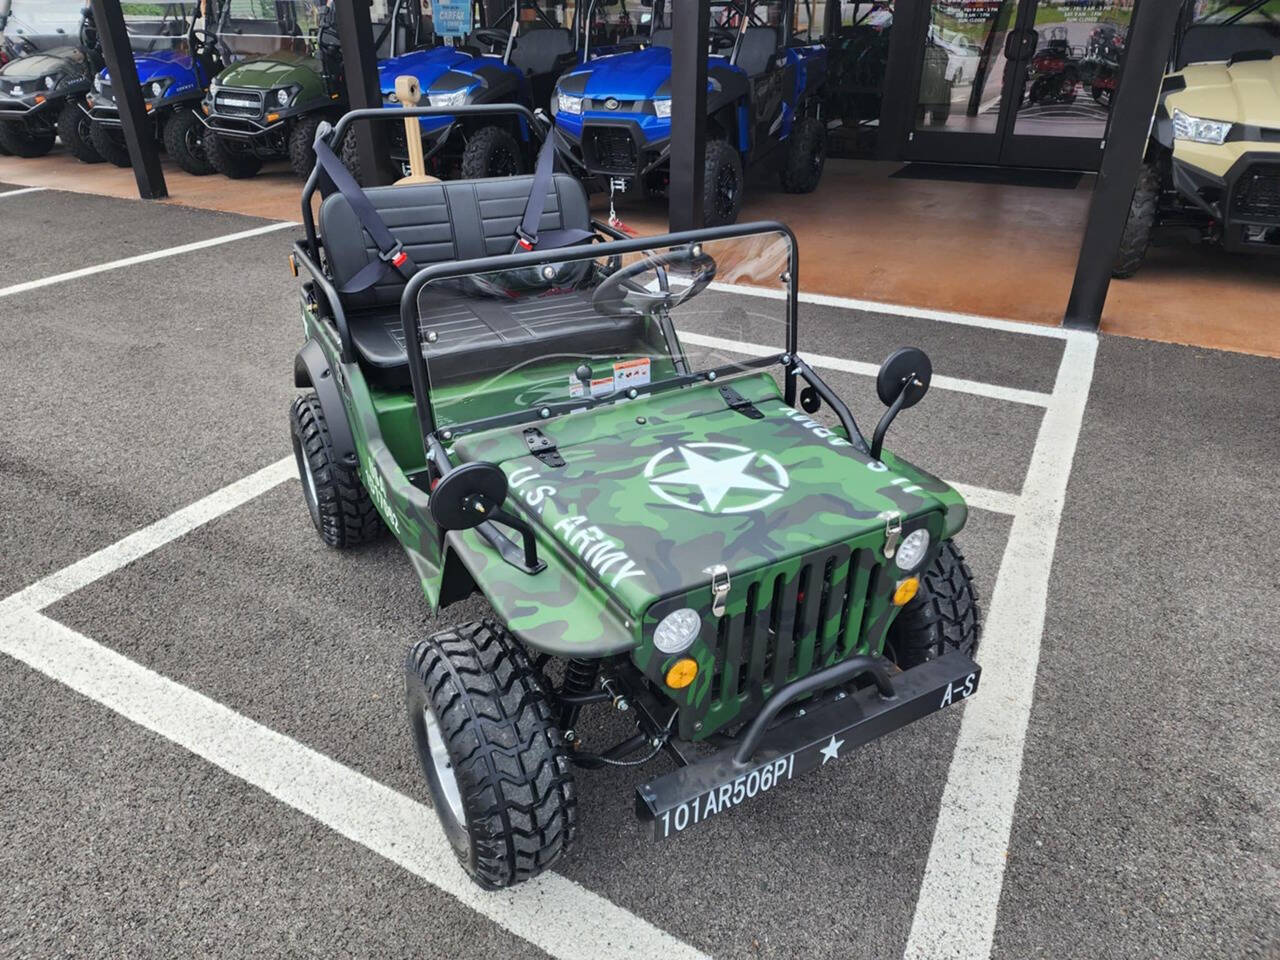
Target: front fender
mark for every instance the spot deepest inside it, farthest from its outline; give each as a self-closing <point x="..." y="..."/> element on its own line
<point x="311" y="369"/>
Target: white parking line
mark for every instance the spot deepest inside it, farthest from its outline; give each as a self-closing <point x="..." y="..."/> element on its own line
<point x="982" y="498"/>
<point x="18" y="193"/>
<point x="960" y="893"/>
<point x="142" y="258"/>
<point x="553" y="913"/>
<point x="822" y="361"/>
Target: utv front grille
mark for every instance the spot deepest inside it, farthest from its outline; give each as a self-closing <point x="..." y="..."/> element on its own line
<point x="610" y="150"/>
<point x="794" y="623"/>
<point x="238" y="103"/>
<point x="1257" y="193"/>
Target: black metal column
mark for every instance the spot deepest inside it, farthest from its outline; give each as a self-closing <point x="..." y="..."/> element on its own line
<point x="689" y="22"/>
<point x="1147" y="55"/>
<point x="897" y="102"/>
<point x="139" y="132"/>
<point x="360" y="66"/>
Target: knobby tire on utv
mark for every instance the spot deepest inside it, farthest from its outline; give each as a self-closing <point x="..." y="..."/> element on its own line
<point x="23" y="139"/>
<point x="230" y="161"/>
<point x="499" y="749"/>
<point x="944" y="615"/>
<point x="340" y="506"/>
<point x="1143" y="209"/>
<point x="75" y="130"/>
<point x="110" y="145"/>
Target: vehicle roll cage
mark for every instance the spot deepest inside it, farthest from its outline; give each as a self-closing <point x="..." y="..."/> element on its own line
<point x="307" y="255"/>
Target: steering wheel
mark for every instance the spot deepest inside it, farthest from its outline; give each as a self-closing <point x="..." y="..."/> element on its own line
<point x="204" y="42"/>
<point x="721" y="38"/>
<point x="620" y="295"/>
<point x="493" y="38"/>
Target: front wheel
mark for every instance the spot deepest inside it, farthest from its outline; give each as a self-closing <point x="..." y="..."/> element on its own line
<point x="231" y="158"/>
<point x="75" y="130"/>
<point x="491" y="152"/>
<point x="110" y="145"/>
<point x="943" y="615"/>
<point x="184" y="142"/>
<point x="806" y="156"/>
<point x="302" y="144"/>
<point x="495" y="761"/>
<point x="722" y="186"/>
<point x="340" y="506"/>
<point x="23" y="139"/>
<point x="1141" y="221"/>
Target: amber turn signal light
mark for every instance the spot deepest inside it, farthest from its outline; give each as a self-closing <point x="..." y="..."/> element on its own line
<point x="905" y="590"/>
<point x="681" y="673"/>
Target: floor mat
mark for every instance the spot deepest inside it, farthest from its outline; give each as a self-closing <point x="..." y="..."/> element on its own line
<point x="1005" y="176"/>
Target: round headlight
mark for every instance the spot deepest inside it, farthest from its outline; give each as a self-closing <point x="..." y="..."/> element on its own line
<point x="677" y="630"/>
<point x="97" y="84"/>
<point x="912" y="549"/>
<point x="157" y="89"/>
<point x="50" y="82"/>
<point x="282" y="97"/>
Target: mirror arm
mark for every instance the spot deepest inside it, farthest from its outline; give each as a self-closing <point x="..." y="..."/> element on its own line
<point x="829" y="396"/>
<point x="529" y="562"/>
<point x="877" y="439"/>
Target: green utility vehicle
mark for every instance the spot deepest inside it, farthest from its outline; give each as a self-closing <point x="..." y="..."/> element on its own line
<point x="628" y="462"/>
<point x="1211" y="171"/>
<point x="270" y="104"/>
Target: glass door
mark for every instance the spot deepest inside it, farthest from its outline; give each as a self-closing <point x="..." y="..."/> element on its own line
<point x="1020" y="82"/>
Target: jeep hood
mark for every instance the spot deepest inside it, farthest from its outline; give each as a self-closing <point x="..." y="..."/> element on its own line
<point x="42" y="64"/>
<point x="648" y="508"/>
<point x="273" y="71"/>
<point x="1247" y="92"/>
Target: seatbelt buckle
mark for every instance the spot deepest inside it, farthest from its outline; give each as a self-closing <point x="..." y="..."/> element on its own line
<point x="524" y="241"/>
<point x="395" y="256"/>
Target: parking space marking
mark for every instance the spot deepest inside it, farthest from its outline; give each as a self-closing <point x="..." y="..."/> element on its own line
<point x="555" y="914"/>
<point x="17" y="193"/>
<point x="960" y="893"/>
<point x="982" y="498"/>
<point x="138" y="544"/>
<point x="902" y="310"/>
<point x="990" y="390"/>
<point x="143" y="258"/>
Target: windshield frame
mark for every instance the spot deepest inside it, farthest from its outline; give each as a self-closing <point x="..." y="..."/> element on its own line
<point x="421" y="380"/>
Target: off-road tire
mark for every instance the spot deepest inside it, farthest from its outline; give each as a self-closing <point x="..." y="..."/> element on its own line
<point x="110" y="147"/>
<point x="944" y="615"/>
<point x="350" y="154"/>
<point x="302" y="144"/>
<point x="75" y="130"/>
<point x="236" y="164"/>
<point x="806" y="156"/>
<point x="340" y="506"/>
<point x="183" y="142"/>
<point x="1136" y="236"/>
<point x="491" y="152"/>
<point x="507" y="755"/>
<point x="21" y="139"/>
<point x="722" y="167"/>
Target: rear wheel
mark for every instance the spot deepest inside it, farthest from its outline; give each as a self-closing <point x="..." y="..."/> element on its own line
<point x="302" y="144"/>
<point x="75" y="130"/>
<point x="340" y="506"/>
<point x="491" y="152"/>
<point x="231" y="158"/>
<point x="722" y="186"/>
<point x="109" y="142"/>
<point x="24" y="139"/>
<point x="806" y="156"/>
<point x="494" y="760"/>
<point x="1141" y="221"/>
<point x="184" y="142"/>
<point x="943" y="615"/>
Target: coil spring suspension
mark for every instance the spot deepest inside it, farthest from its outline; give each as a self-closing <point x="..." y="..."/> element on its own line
<point x="579" y="679"/>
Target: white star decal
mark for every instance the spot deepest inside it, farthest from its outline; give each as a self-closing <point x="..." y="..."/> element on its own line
<point x="832" y="750"/>
<point x="715" y="478"/>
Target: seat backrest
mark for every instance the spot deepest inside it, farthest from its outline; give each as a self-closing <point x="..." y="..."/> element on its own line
<point x="538" y="50"/>
<point x="439" y="222"/>
<point x="1205" y="43"/>
<point x="759" y="44"/>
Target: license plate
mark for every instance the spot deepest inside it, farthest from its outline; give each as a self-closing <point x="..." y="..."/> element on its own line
<point x="726" y="796"/>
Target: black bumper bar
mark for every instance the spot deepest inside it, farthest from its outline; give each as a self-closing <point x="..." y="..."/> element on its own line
<point x="765" y="757"/>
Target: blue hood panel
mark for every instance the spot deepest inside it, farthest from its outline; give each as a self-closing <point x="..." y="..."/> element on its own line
<point x="430" y="65"/>
<point x="187" y="76"/>
<point x="636" y="75"/>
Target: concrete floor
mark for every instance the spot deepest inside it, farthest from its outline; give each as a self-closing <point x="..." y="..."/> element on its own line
<point x="1145" y="820"/>
<point x="997" y="251"/>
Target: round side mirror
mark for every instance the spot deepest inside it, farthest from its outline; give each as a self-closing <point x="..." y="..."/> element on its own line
<point x="907" y="367"/>
<point x="468" y="495"/>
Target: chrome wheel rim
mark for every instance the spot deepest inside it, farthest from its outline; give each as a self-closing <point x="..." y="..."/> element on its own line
<point x="442" y="766"/>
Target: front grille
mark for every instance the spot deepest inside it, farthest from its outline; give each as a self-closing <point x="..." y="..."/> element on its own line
<point x="794" y="623"/>
<point x="238" y="103"/>
<point x="1257" y="194"/>
<point x="610" y="150"/>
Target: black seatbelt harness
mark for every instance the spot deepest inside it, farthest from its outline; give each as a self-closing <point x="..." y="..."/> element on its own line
<point x="527" y="233"/>
<point x="391" y="252"/>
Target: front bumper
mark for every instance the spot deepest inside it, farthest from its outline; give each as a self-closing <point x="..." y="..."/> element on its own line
<point x="764" y="757"/>
<point x="1244" y="201"/>
<point x="613" y="147"/>
<point x="12" y="108"/>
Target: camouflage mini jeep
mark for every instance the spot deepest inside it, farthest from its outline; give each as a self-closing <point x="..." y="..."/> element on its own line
<point x="681" y="532"/>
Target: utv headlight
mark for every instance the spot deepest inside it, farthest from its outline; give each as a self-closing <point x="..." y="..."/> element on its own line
<point x="662" y="108"/>
<point x="1198" y="130"/>
<point x="157" y="89"/>
<point x="451" y="98"/>
<point x="912" y="550"/>
<point x="51" y="81"/>
<point x="97" y="83"/>
<point x="285" y="95"/>
<point x="567" y="103"/>
<point x="677" y="630"/>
